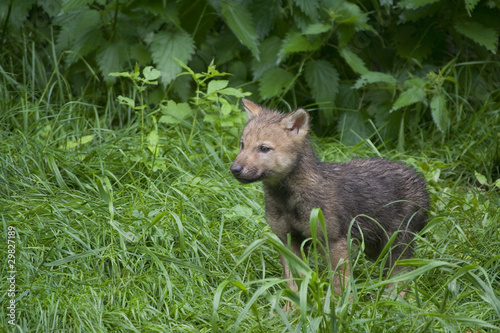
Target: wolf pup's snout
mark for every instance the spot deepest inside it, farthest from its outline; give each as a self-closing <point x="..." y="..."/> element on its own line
<point x="236" y="170"/>
<point x="244" y="175"/>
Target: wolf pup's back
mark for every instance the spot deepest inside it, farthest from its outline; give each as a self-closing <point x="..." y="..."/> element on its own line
<point x="380" y="196"/>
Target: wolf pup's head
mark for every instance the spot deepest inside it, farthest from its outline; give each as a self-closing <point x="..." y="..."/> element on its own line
<point x="270" y="144"/>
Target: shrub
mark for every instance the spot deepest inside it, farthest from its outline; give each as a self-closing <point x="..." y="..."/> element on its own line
<point x="364" y="67"/>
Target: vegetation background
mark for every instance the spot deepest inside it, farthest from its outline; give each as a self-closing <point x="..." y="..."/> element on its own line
<point x="120" y="118"/>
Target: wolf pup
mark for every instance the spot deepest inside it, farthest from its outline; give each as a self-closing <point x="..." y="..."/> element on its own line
<point x="381" y="197"/>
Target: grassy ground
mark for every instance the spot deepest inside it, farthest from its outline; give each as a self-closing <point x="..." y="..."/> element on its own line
<point x="124" y="225"/>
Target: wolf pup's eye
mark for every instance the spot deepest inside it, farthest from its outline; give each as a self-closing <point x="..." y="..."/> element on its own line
<point x="264" y="149"/>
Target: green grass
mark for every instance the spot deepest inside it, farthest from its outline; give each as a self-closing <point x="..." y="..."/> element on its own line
<point x="115" y="234"/>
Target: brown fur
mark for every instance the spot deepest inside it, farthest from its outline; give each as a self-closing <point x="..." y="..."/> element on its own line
<point x="295" y="182"/>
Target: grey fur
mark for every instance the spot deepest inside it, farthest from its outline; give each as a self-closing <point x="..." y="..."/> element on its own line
<point x="388" y="192"/>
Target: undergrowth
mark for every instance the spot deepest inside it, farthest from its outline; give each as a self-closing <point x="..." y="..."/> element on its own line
<point x="128" y="220"/>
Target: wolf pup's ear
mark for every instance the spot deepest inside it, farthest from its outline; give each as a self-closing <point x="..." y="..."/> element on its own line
<point x="297" y="121"/>
<point x="251" y="108"/>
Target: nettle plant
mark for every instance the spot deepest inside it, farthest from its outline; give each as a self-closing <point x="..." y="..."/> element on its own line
<point x="213" y="104"/>
<point x="429" y="92"/>
<point x="328" y="55"/>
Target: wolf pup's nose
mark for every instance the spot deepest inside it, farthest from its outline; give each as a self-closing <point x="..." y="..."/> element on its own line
<point x="236" y="169"/>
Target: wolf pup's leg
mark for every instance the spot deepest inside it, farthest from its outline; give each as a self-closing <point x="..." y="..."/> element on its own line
<point x="401" y="251"/>
<point x="295" y="248"/>
<point x="338" y="252"/>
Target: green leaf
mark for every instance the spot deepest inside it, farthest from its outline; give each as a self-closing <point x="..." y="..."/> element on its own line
<point x="126" y="101"/>
<point x="76" y="143"/>
<point x="415" y="82"/>
<point x="166" y="9"/>
<point x="275" y="82"/>
<point x="150" y="73"/>
<point x="374" y="77"/>
<point x="264" y="14"/>
<point x="408" y="97"/>
<point x="69" y="5"/>
<point x="350" y="13"/>
<point x="240" y="22"/>
<point x="269" y="50"/>
<point x="81" y="34"/>
<point x="485" y="36"/>
<point x="16" y="14"/>
<point x="140" y="53"/>
<point x="323" y="80"/>
<point x="73" y="257"/>
<point x="226" y="108"/>
<point x="297" y="42"/>
<point x="480" y="178"/>
<point x="234" y="92"/>
<point x="168" y="46"/>
<point x="470" y="5"/>
<point x="411" y="42"/>
<point x="86" y="139"/>
<point x="413" y="4"/>
<point x="354" y="61"/>
<point x="110" y="58"/>
<point x="419" y="15"/>
<point x="308" y="7"/>
<point x="132" y="75"/>
<point x="388" y="123"/>
<point x="440" y="112"/>
<point x="240" y="210"/>
<point x="152" y="140"/>
<point x="127" y="235"/>
<point x="173" y="113"/>
<point x="105" y="190"/>
<point x="121" y="74"/>
<point x="353" y="127"/>
<point x="216" y="85"/>
<point x="211" y="118"/>
<point x="347" y="98"/>
<point x="497" y="183"/>
<point x="316" y="29"/>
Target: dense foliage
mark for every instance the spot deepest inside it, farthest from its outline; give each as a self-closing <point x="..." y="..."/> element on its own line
<point x="119" y="121"/>
<point x="366" y="66"/>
